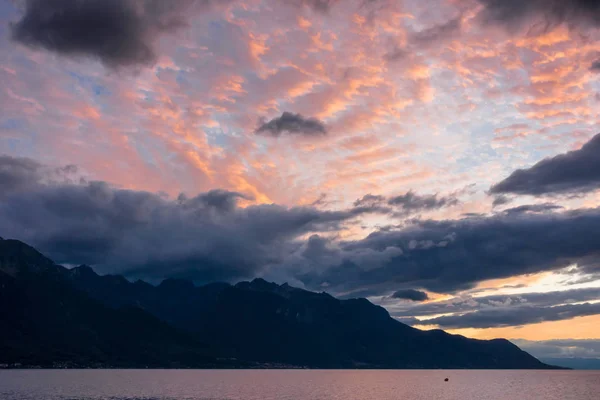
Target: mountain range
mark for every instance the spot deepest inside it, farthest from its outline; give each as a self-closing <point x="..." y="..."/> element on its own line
<point x="53" y="316"/>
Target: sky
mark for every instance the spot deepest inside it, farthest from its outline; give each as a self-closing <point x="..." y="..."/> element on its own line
<point x="437" y="157"/>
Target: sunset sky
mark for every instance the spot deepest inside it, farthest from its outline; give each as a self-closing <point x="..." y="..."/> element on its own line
<point x="360" y="147"/>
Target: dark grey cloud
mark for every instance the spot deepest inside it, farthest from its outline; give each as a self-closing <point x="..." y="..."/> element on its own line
<point x="411" y="202"/>
<point x="424" y="39"/>
<point x="437" y="33"/>
<point x="209" y="237"/>
<point x="453" y="255"/>
<point x="117" y="32"/>
<point x="140" y="234"/>
<point x="396" y="54"/>
<point x="322" y="6"/>
<point x="410" y="294"/>
<point x="534" y="208"/>
<point x="374" y="203"/>
<point x="503" y="317"/>
<point x="290" y="123"/>
<point x="369" y="200"/>
<point x="574" y="172"/>
<point x="595" y="66"/>
<point x="561" y="348"/>
<point x="405" y="204"/>
<point x="465" y="304"/>
<point x="18" y="174"/>
<point x="220" y="200"/>
<point x="473" y="215"/>
<point x="322" y="200"/>
<point x="541" y="15"/>
<point x="501" y="200"/>
<point x="325" y="6"/>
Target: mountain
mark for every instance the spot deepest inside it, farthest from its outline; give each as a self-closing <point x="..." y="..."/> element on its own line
<point x="77" y="316"/>
<point x="47" y="322"/>
<point x="575" y="363"/>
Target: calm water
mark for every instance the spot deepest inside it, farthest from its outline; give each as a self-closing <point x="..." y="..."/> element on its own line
<point x="298" y="385"/>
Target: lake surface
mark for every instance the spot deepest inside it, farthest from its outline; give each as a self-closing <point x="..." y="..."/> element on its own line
<point x="297" y="385"/>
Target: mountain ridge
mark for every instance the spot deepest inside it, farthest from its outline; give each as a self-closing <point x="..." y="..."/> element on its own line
<point x="256" y="323"/>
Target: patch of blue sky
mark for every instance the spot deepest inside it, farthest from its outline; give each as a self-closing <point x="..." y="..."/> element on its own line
<point x="181" y="77"/>
<point x="148" y="94"/>
<point x="12" y="123"/>
<point x="595" y="93"/>
<point x="16" y="139"/>
<point x="13" y="145"/>
<point x="8" y="12"/>
<point x="24" y="64"/>
<point x="216" y="136"/>
<point x="90" y="84"/>
<point x="144" y="152"/>
<point x="475" y="130"/>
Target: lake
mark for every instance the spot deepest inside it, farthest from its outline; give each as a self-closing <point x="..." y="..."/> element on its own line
<point x="298" y="385"/>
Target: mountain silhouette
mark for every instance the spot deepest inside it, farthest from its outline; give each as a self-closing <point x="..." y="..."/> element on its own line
<point x="74" y="317"/>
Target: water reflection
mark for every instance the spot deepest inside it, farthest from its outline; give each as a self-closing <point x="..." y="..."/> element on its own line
<point x="297" y="385"/>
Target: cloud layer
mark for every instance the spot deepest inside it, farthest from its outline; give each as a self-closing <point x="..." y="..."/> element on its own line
<point x="563" y="348"/>
<point x="521" y="316"/>
<point x="469" y="303"/>
<point x="574" y="172"/>
<point x="207" y="237"/>
<point x="210" y="237"/>
<point x="452" y="255"/>
<point x="502" y="310"/>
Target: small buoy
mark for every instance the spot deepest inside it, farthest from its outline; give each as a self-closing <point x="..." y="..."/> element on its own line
<point x="446" y="380"/>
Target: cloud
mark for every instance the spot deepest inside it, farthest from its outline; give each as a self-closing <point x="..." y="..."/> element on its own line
<point x="369" y="200"/>
<point x="322" y="6"/>
<point x="425" y="39"/>
<point x="561" y="348"/>
<point x="374" y="203"/>
<point x="570" y="173"/>
<point x="17" y="174"/>
<point x="534" y="208"/>
<point x="595" y="66"/>
<point x="465" y="304"/>
<point x="410" y="202"/>
<point x="437" y="33"/>
<point x="396" y="54"/>
<point x="406" y="204"/>
<point x="290" y="123"/>
<point x="410" y="294"/>
<point x="501" y="200"/>
<point x="117" y="32"/>
<point x="541" y="15"/>
<point x="207" y="237"/>
<point x="504" y="317"/>
<point x="447" y="256"/>
<point x="325" y="6"/>
<point x="220" y="200"/>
